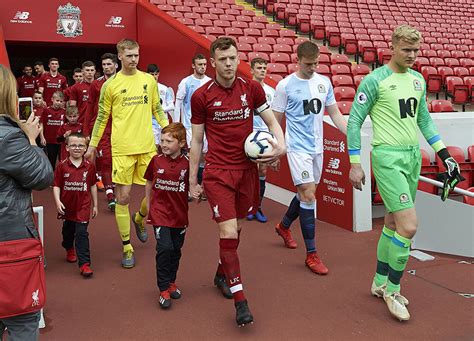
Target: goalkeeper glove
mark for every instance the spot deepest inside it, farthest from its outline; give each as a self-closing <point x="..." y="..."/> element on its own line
<point x="453" y="173"/>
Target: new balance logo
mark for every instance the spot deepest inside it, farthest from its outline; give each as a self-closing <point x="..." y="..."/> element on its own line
<point x="217" y="104"/>
<point x="21" y="15"/>
<point x="333" y="163"/>
<point x="115" y="20"/>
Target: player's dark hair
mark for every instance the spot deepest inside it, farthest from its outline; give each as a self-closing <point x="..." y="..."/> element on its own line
<point x="54" y="59"/>
<point x="77" y="70"/>
<point x="257" y="60"/>
<point x="198" y="56"/>
<point x="37" y="92"/>
<point x="27" y="65"/>
<point x="75" y="134"/>
<point x="111" y="56"/>
<point x="177" y="130"/>
<point x="88" y="63"/>
<point x="152" y="68"/>
<point x="307" y="49"/>
<point x="38" y="62"/>
<point x="222" y="43"/>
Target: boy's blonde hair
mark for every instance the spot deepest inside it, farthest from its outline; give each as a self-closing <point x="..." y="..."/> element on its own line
<point x="71" y="110"/>
<point x="126" y="44"/>
<point x="59" y="95"/>
<point x="8" y="98"/>
<point x="406" y="33"/>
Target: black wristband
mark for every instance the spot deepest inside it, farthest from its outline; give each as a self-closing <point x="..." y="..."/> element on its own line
<point x="444" y="154"/>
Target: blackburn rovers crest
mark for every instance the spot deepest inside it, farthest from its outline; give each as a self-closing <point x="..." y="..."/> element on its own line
<point x="69" y="22"/>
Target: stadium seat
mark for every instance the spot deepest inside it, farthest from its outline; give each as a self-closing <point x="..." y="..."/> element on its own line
<point x="210" y="16"/>
<point x="466" y="62"/>
<point x="340" y="69"/>
<point x="257" y="25"/>
<point x="445" y="71"/>
<point x="360" y="69"/>
<point x="420" y="62"/>
<point x="469" y="200"/>
<point x="244" y="47"/>
<point x="460" y="71"/>
<point x="340" y="59"/>
<point x="243" y="56"/>
<point x="342" y="93"/>
<point x="187" y="21"/>
<point x="287" y="33"/>
<point x="467" y="168"/>
<point x="252" y="32"/>
<point x="275" y="77"/>
<point x="469" y="81"/>
<point x="285" y="41"/>
<point x="383" y="55"/>
<point x="292" y="68"/>
<point x="282" y="48"/>
<point x="358" y="79"/>
<point x="233" y="32"/>
<point x="344" y="107"/>
<point x="239" y="24"/>
<point x="324" y="70"/>
<point x="441" y="105"/>
<point x="247" y="40"/>
<point x="270" y="33"/>
<point x="342" y="80"/>
<point x="457" y="90"/>
<point x="432" y="78"/>
<point x="282" y="58"/>
<point x="277" y="68"/>
<point x="216" y="31"/>
<point x="252" y="55"/>
<point x="470" y="153"/>
<point x="262" y="48"/>
<point x="428" y="170"/>
<point x="266" y="40"/>
<point x="451" y="62"/>
<point x="324" y="59"/>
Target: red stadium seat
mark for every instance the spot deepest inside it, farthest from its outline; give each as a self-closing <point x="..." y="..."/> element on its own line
<point x="210" y="16"/>
<point x="282" y="48"/>
<point x="257" y="25"/>
<point x="342" y="93"/>
<point x="324" y="70"/>
<point x="342" y="80"/>
<point x="244" y="47"/>
<point x="358" y="79"/>
<point x="460" y="71"/>
<point x="466" y="62"/>
<point x="469" y="200"/>
<point x="216" y="31"/>
<point x="252" y="55"/>
<point x="383" y="55"/>
<point x="436" y="61"/>
<point x="186" y="21"/>
<point x="340" y="59"/>
<point x="360" y="69"/>
<point x="287" y="33"/>
<point x="252" y="32"/>
<point x="285" y="41"/>
<point x="324" y="59"/>
<point x="451" y="62"/>
<point x="457" y="90"/>
<point x="470" y="153"/>
<point x="270" y="33"/>
<point x="277" y="68"/>
<point x="292" y="68"/>
<point x="282" y="58"/>
<point x="441" y="105"/>
<point x="275" y="77"/>
<point x="239" y="24"/>
<point x="233" y="32"/>
<point x="198" y="29"/>
<point x="344" y="107"/>
<point x="428" y="170"/>
<point x="445" y="71"/>
<point x="340" y="69"/>
<point x="243" y="56"/>
<point x="432" y="78"/>
<point x="247" y="40"/>
<point x="469" y="81"/>
<point x="266" y="40"/>
<point x="262" y="48"/>
<point x="420" y="62"/>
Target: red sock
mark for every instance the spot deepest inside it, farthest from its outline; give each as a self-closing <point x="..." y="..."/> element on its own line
<point x="231" y="266"/>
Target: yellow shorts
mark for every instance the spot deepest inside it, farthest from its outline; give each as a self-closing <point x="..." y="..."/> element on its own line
<point x="130" y="169"/>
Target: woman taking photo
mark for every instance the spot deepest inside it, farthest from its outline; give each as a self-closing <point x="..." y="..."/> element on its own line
<point x="23" y="167"/>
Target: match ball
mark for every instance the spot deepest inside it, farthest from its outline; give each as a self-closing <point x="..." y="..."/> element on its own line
<point x="257" y="143"/>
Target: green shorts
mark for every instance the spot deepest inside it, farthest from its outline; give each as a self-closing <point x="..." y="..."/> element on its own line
<point x="396" y="171"/>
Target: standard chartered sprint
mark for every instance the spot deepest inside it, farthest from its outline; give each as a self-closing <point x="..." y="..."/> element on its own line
<point x="132" y="100"/>
<point x="169" y="185"/>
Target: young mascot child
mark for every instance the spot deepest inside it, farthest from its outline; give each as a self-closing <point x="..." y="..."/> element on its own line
<point x="52" y="118"/>
<point x="72" y="125"/>
<point x="38" y="108"/>
<point x="74" y="186"/>
<point x="167" y="188"/>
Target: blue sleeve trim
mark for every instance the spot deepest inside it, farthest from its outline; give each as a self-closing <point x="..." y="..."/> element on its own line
<point x="354" y="152"/>
<point x="434" y="139"/>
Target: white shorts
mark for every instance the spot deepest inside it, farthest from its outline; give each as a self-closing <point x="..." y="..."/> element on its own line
<point x="189" y="136"/>
<point x="305" y="168"/>
<point x="157" y="134"/>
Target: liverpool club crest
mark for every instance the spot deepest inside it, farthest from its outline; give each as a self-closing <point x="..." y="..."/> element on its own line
<point x="69" y="22"/>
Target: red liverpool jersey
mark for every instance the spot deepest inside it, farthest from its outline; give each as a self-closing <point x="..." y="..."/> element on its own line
<point x="80" y="93"/>
<point x="51" y="84"/>
<point x="169" y="194"/>
<point x="228" y="117"/>
<point x="75" y="184"/>
<point x="52" y="119"/>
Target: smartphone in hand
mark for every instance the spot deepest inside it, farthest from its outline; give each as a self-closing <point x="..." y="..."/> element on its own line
<point x="25" y="107"/>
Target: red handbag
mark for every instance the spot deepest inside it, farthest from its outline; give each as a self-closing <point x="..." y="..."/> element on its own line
<point x="22" y="279"/>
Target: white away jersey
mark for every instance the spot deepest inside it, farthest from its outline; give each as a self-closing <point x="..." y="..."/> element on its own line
<point x="304" y="101"/>
<point x="258" y="123"/>
<point x="186" y="89"/>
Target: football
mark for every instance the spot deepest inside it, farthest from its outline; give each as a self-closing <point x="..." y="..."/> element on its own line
<point x="257" y="143"/>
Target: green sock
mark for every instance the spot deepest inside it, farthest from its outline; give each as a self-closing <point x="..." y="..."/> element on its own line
<point x="381" y="273"/>
<point x="122" y="216"/>
<point x="399" y="252"/>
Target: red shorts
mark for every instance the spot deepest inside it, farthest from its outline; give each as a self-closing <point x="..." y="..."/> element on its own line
<point x="231" y="193"/>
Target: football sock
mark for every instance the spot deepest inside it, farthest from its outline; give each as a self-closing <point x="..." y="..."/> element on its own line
<point x="200" y="171"/>
<point x="399" y="251"/>
<point x="262" y="189"/>
<point x="231" y="266"/>
<point x="292" y="213"/>
<point x="220" y="269"/>
<point x="307" y="223"/>
<point x="141" y="214"/>
<point x="122" y="216"/>
<point x="381" y="273"/>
